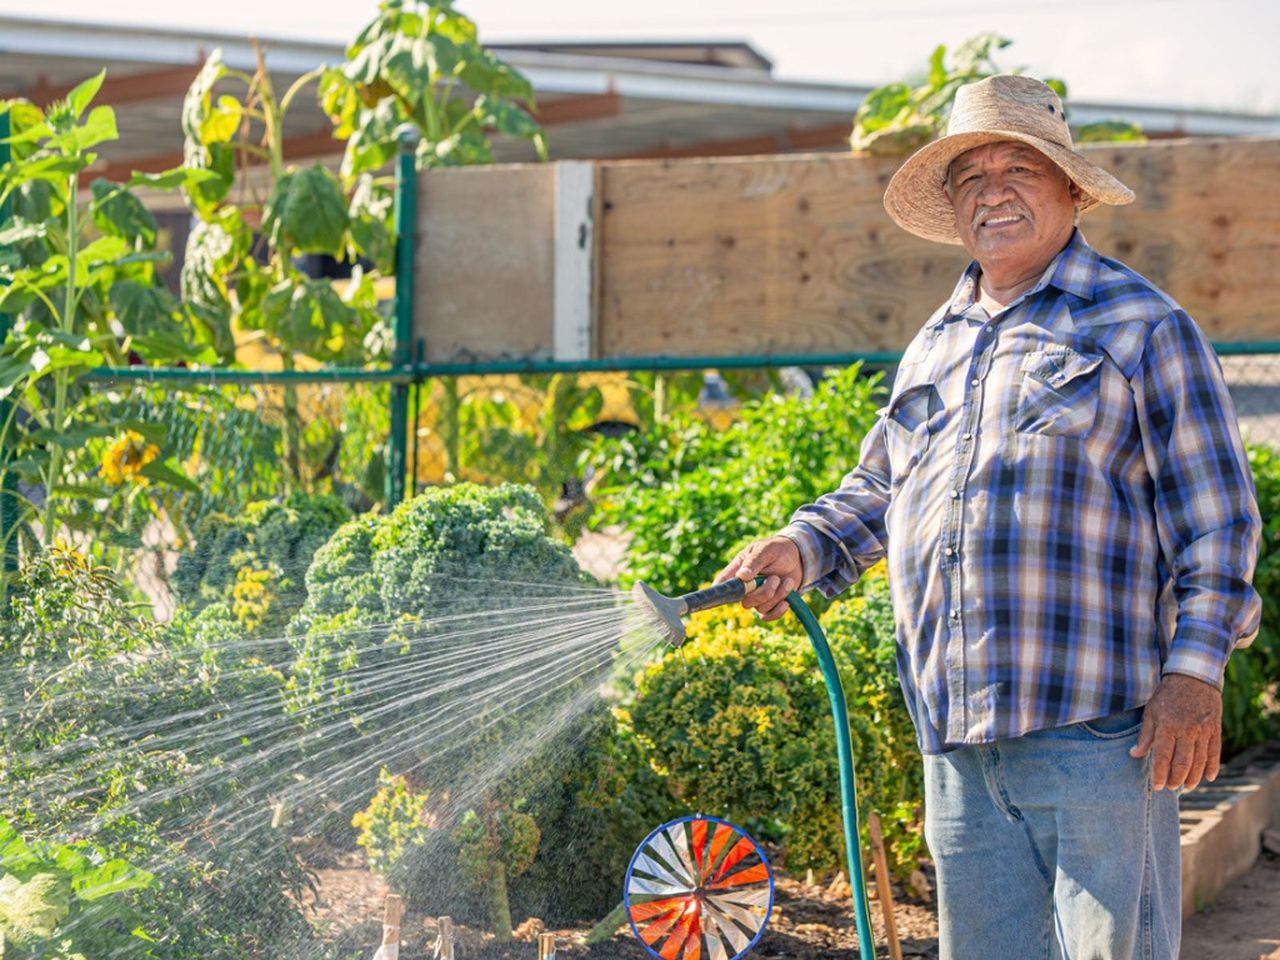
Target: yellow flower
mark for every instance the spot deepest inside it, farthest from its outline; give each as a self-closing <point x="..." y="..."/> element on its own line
<point x="251" y="596"/>
<point x="126" y="457"/>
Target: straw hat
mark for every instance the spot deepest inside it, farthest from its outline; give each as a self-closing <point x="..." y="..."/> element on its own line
<point x="1003" y="107"/>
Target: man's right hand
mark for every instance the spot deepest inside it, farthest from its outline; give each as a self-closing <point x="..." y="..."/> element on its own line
<point x="777" y="559"/>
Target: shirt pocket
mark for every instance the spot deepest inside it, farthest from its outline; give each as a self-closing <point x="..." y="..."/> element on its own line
<point x="909" y="420"/>
<point x="1059" y="393"/>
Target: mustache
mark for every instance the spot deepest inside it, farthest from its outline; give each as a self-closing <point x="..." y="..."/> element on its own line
<point x="1001" y="211"/>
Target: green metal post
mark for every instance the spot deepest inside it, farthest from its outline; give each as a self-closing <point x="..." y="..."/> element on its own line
<point x="8" y="488"/>
<point x="406" y="214"/>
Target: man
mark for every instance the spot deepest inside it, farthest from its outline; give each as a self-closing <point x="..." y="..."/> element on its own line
<point x="1060" y="488"/>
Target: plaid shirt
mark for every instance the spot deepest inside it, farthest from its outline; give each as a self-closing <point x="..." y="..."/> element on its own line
<point x="1064" y="500"/>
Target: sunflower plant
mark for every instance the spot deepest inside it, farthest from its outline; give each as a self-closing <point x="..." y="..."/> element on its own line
<point x="79" y="278"/>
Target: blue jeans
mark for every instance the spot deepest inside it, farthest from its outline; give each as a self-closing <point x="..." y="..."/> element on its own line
<point x="1054" y="845"/>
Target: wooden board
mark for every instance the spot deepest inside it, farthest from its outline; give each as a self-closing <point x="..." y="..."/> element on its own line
<point x="486" y="263"/>
<point x="795" y="254"/>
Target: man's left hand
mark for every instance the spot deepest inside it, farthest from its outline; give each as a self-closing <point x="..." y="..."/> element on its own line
<point x="1182" y="729"/>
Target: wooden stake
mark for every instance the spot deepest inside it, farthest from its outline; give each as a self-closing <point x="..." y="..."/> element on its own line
<point x="883" y="886"/>
<point x="546" y="946"/>
<point x="444" y="942"/>
<point x="392" y="913"/>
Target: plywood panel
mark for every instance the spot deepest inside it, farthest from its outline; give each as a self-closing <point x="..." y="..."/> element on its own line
<point x="760" y="255"/>
<point x="1205" y="228"/>
<point x="794" y="254"/>
<point x="485" y="263"/>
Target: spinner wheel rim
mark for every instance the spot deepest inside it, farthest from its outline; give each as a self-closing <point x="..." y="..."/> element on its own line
<point x="698" y="888"/>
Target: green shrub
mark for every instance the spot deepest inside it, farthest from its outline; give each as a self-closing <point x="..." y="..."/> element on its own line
<point x="690" y="494"/>
<point x="738" y="724"/>
<point x="1251" y="692"/>
<point x="89" y="747"/>
<point x="257" y="560"/>
<point x="377" y="595"/>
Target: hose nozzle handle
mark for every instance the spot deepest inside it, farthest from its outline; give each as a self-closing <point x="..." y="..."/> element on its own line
<point x="731" y="591"/>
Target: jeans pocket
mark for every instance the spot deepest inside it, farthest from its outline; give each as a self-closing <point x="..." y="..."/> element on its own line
<point x="1116" y="726"/>
<point x="910" y="417"/>
<point x="1059" y="392"/>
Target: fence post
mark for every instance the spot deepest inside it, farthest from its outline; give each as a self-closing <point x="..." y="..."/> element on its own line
<point x="9" y="485"/>
<point x="406" y="214"/>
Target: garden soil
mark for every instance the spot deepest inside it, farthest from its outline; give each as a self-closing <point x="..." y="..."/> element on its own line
<point x="810" y="922"/>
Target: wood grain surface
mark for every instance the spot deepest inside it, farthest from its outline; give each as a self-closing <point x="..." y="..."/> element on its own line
<point x="795" y="254"/>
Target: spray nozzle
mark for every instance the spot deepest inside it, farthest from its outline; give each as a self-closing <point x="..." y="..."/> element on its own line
<point x="671" y="610"/>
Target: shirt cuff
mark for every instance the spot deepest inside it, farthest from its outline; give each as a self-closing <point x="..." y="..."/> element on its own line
<point x="1199" y="650"/>
<point x="806" y="542"/>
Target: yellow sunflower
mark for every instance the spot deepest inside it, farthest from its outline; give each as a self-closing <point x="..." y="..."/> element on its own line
<point x="126" y="457"/>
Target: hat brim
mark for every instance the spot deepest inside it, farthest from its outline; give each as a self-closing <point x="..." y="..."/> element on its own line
<point x="916" y="198"/>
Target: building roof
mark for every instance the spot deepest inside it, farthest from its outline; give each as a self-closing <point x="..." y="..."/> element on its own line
<point x="596" y="99"/>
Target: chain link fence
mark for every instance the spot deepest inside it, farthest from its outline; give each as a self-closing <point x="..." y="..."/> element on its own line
<point x="246" y="443"/>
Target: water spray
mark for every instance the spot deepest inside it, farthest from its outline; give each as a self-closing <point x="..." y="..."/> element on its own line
<point x="670" y="611"/>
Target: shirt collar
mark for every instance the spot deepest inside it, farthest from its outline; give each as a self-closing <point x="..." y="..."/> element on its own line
<point x="1073" y="270"/>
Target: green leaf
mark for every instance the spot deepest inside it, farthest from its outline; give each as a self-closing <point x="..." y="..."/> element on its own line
<point x="505" y="116"/>
<point x="99" y="127"/>
<point x="1057" y="86"/>
<point x="937" y="68"/>
<point x="27" y="125"/>
<point x="103" y="250"/>
<point x="368" y="215"/>
<point x="140" y="308"/>
<point x="374" y="142"/>
<point x="340" y="101"/>
<point x="54" y="169"/>
<point x="80" y="98"/>
<point x="117" y="212"/>
<point x="114" y="876"/>
<point x="310" y="211"/>
<point x="73" y="437"/>
<point x="210" y="248"/>
<point x="486" y="73"/>
<point x="1110" y="131"/>
<point x="16" y="368"/>
<point x="169" y="179"/>
<point x="168" y="472"/>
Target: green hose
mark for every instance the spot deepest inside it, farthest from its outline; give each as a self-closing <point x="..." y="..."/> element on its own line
<point x="844" y="756"/>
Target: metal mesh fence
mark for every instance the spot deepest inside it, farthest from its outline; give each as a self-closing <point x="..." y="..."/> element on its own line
<point x="254" y="442"/>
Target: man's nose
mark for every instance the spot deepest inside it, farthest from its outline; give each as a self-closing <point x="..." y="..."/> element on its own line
<point x="995" y="190"/>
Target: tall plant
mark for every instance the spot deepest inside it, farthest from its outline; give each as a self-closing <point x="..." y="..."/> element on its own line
<point x="897" y="118"/>
<point x="241" y="270"/>
<point x="78" y="272"/>
<point x="422" y="63"/>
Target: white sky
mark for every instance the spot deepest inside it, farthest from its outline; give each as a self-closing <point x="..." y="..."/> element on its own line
<point x="1206" y="53"/>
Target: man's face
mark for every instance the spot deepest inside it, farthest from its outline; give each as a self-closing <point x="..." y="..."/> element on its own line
<point x="1014" y="206"/>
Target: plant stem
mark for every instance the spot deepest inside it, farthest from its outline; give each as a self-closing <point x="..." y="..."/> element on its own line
<point x="66" y="323"/>
<point x="500" y="904"/>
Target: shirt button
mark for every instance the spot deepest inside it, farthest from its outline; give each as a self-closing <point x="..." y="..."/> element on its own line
<point x="968" y="436"/>
<point x="973" y="382"/>
<point x="955" y="614"/>
<point x="954" y="494"/>
<point x="948" y="551"/>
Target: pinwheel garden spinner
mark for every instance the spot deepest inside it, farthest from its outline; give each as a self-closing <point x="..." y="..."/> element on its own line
<point x="698" y="888"/>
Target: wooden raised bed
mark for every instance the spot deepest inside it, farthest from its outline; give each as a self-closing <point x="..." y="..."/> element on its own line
<point x="792" y="254"/>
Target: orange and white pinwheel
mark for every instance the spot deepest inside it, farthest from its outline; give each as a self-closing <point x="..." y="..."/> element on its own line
<point x="698" y="888"/>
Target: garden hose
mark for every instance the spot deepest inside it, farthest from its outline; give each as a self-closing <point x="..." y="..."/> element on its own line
<point x="669" y="610"/>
